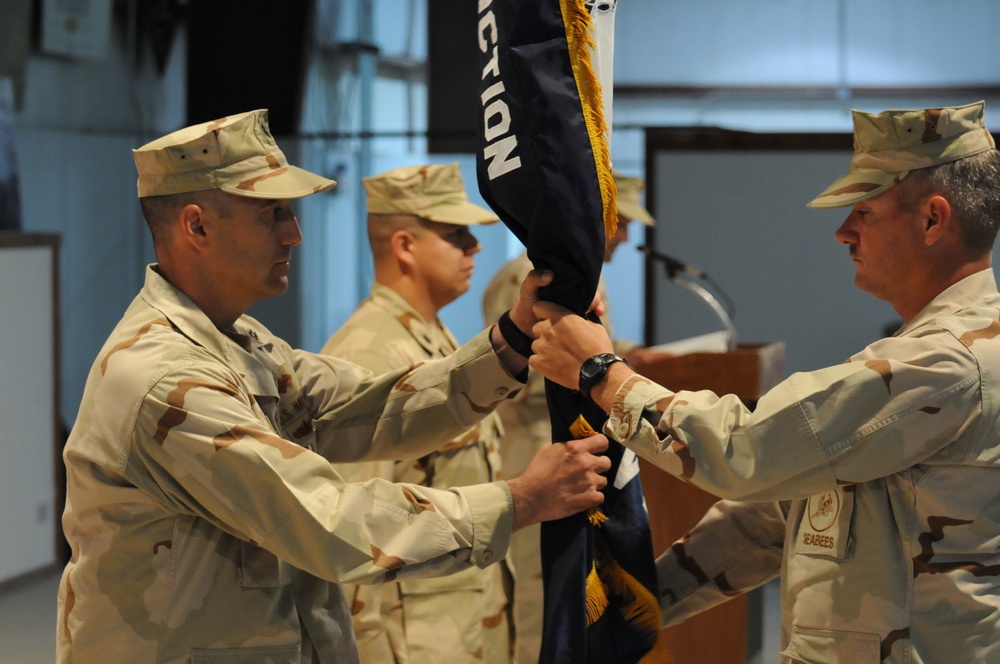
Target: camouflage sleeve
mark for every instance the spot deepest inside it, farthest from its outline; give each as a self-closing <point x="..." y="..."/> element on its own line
<point x="199" y="448"/>
<point x="735" y="548"/>
<point x="365" y="600"/>
<point x="405" y="413"/>
<point x="812" y="432"/>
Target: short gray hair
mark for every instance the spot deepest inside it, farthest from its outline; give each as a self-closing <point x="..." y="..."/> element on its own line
<point x="972" y="187"/>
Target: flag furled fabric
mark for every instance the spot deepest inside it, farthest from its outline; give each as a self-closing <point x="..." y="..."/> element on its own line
<point x="544" y="168"/>
<point x="536" y="136"/>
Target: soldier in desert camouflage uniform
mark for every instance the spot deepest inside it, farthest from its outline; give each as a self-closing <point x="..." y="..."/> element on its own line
<point x="205" y="519"/>
<point x="526" y="416"/>
<point x="424" y="254"/>
<point x="871" y="487"/>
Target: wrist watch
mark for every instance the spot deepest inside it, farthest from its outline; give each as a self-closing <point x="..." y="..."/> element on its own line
<point x="594" y="369"/>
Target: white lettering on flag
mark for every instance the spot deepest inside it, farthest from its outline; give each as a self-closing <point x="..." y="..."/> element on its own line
<point x="500" y="143"/>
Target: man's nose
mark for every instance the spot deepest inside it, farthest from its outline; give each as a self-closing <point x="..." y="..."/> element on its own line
<point x="846" y="233"/>
<point x="292" y="233"/>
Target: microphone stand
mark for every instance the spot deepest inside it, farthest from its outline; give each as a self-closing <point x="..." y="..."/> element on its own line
<point x="685" y="277"/>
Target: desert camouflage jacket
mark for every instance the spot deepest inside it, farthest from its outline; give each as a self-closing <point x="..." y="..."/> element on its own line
<point x="204" y="516"/>
<point x="872" y="486"/>
<point x="384" y="334"/>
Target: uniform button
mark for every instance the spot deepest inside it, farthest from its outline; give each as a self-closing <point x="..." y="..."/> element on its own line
<point x="487" y="556"/>
<point x="623" y="430"/>
<point x="502" y="391"/>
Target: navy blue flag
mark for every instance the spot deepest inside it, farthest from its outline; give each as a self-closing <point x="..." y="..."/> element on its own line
<point x="544" y="168"/>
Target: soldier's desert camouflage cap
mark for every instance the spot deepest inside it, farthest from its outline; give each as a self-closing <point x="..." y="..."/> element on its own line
<point x="432" y="192"/>
<point x="236" y="154"/>
<point x="629" y="206"/>
<point x="888" y="145"/>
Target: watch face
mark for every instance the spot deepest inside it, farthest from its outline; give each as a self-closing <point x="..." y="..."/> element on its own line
<point x="591" y="368"/>
<point x="594" y="368"/>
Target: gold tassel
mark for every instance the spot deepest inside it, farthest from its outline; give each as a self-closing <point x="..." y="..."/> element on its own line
<point x="597" y="599"/>
<point x="580" y="39"/>
<point x="596" y="516"/>
<point x="641" y="609"/>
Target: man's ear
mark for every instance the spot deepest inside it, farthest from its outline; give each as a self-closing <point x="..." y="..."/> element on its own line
<point x="937" y="219"/>
<point x="191" y="220"/>
<point x="401" y="244"/>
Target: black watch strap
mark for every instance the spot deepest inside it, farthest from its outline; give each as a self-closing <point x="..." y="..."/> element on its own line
<point x="594" y="369"/>
<point x="515" y="338"/>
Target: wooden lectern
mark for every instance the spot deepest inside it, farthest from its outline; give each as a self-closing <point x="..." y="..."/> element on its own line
<point x="719" y="635"/>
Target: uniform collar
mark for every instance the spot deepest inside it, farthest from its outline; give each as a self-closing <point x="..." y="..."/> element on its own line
<point x="259" y="364"/>
<point x="432" y="336"/>
<point x="971" y="291"/>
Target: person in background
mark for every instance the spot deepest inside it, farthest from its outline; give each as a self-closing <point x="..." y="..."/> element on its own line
<point x="871" y="486"/>
<point x="526" y="417"/>
<point x="205" y="520"/>
<point x="419" y="228"/>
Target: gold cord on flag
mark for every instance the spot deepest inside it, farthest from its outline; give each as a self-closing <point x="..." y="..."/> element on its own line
<point x="580" y="39"/>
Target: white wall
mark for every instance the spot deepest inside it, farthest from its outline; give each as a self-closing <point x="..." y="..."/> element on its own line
<point x="27" y="410"/>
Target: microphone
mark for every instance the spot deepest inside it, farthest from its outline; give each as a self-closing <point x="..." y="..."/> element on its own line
<point x="673" y="265"/>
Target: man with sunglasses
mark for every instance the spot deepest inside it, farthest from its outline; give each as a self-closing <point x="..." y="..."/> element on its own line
<point x="424" y="255"/>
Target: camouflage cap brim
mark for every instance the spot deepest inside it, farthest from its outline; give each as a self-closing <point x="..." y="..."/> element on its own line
<point x="281" y="183"/>
<point x="856" y="186"/>
<point x="463" y="214"/>
<point x="635" y="212"/>
<point x="627" y="198"/>
<point x="459" y="213"/>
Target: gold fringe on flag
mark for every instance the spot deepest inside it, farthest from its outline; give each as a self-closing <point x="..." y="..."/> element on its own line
<point x="580" y="38"/>
<point x="641" y="608"/>
<point x="606" y="576"/>
<point x="597" y="599"/>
